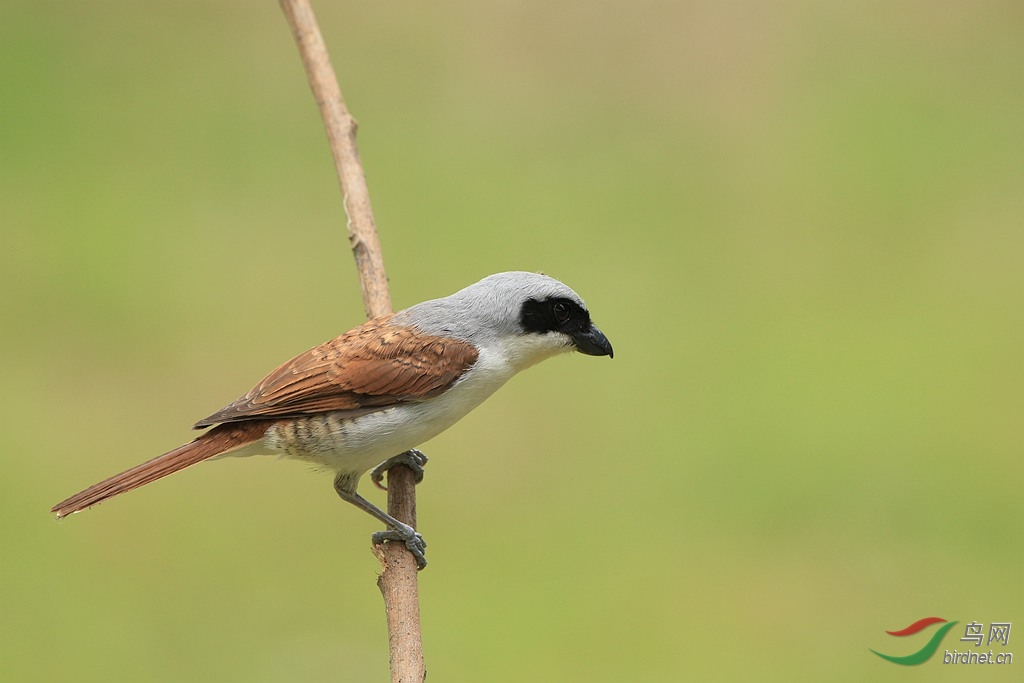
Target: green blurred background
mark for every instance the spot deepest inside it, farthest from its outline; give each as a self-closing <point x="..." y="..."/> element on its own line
<point x="799" y="223"/>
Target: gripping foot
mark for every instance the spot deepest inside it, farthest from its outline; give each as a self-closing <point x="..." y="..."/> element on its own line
<point x="345" y="485"/>
<point x="406" y="534"/>
<point x="413" y="459"/>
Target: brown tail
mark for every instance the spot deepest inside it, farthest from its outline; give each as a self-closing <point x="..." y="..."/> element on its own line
<point x="220" y="439"/>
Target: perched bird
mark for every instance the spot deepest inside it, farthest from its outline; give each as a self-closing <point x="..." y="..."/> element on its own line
<point x="383" y="388"/>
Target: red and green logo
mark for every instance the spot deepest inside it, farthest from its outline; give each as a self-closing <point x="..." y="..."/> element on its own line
<point x="974" y="632"/>
<point x="929" y="648"/>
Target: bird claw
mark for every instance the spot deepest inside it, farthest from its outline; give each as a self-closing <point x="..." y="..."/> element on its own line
<point x="413" y="459"/>
<point x="406" y="534"/>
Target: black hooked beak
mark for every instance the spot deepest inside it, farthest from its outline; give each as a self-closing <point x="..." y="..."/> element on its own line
<point x="592" y="342"/>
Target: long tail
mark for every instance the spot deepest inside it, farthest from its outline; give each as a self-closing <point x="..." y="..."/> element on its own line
<point x="220" y="439"/>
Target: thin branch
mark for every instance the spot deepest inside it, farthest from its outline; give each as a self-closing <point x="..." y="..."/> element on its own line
<point x="398" y="581"/>
<point x="341" y="133"/>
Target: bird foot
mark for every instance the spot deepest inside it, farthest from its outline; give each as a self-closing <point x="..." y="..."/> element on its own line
<point x="406" y="534"/>
<point x="413" y="459"/>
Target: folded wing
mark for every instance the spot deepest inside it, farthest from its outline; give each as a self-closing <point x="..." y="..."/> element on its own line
<point x="368" y="368"/>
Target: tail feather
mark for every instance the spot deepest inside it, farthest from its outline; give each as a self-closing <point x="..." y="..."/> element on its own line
<point x="220" y="439"/>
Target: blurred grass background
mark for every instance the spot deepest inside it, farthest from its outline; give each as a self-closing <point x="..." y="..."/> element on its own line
<point x="798" y="222"/>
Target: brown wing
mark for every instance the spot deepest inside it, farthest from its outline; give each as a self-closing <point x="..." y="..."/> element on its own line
<point x="371" y="367"/>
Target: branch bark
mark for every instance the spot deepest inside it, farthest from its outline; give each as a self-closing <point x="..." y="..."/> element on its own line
<point x="398" y="581"/>
<point x="341" y="134"/>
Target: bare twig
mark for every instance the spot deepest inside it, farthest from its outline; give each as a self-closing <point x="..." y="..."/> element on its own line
<point x="398" y="581"/>
<point x="341" y="133"/>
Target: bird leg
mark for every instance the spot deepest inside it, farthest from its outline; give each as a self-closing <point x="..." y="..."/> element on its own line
<point x="413" y="459"/>
<point x="398" y="531"/>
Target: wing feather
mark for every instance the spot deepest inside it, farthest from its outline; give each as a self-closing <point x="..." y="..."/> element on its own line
<point x="369" y="368"/>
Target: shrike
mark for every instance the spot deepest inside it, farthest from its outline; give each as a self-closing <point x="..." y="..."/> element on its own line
<point x="383" y="388"/>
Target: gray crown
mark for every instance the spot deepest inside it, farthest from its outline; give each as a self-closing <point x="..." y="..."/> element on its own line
<point x="486" y="310"/>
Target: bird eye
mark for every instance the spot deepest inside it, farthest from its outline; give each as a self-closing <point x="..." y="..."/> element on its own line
<point x="562" y="312"/>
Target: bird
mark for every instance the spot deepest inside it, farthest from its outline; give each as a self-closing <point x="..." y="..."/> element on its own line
<point x="366" y="399"/>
